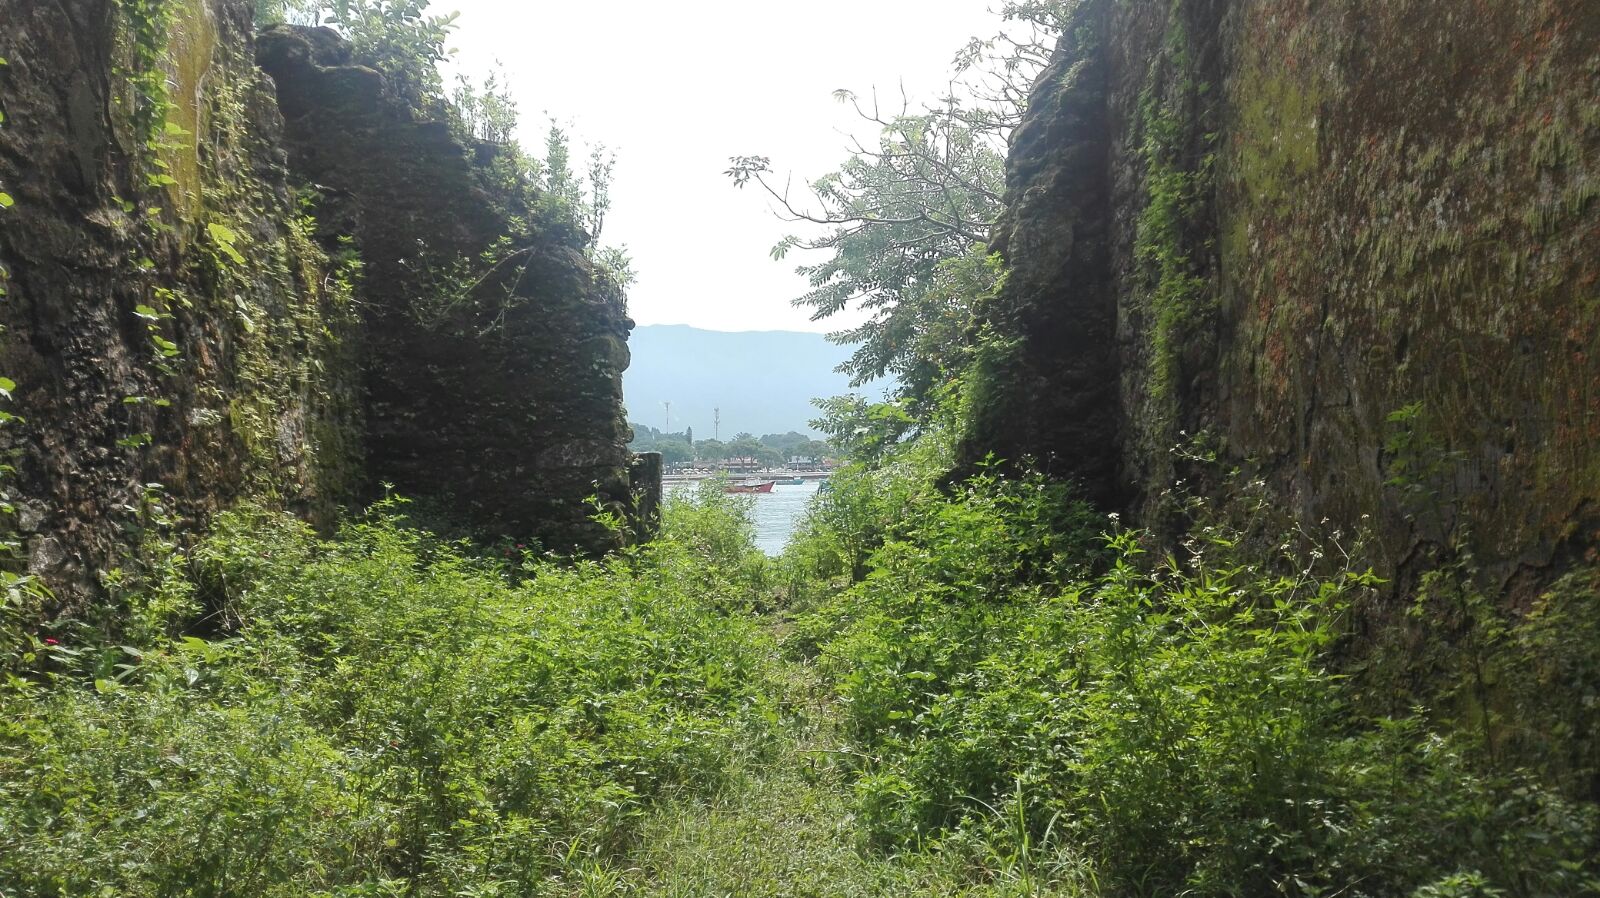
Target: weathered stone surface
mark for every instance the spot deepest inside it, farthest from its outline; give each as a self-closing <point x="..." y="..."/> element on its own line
<point x="256" y="396"/>
<point x="496" y="388"/>
<point x="181" y="340"/>
<point x="1050" y="395"/>
<point x="1314" y="216"/>
<point x="1406" y="215"/>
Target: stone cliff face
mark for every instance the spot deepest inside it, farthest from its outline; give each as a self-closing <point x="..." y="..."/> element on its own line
<point x="183" y="336"/>
<point x="176" y="336"/>
<point x="1352" y="247"/>
<point x="496" y="350"/>
<point x="1051" y="393"/>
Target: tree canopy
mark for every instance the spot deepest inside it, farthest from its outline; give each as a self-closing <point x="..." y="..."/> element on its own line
<point x="905" y="219"/>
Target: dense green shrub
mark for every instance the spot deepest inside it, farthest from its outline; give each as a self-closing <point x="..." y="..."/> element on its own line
<point x="868" y="500"/>
<point x="1035" y="694"/>
<point x="717" y="529"/>
<point x="1178" y="720"/>
<point x="382" y="713"/>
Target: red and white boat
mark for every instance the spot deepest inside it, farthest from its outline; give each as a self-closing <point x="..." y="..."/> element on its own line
<point x="761" y="487"/>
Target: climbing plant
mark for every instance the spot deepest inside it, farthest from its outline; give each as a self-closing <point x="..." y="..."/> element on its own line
<point x="145" y="27"/>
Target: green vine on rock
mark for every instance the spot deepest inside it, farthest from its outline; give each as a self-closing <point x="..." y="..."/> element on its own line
<point x="21" y="594"/>
<point x="147" y="24"/>
<point x="1179" y="176"/>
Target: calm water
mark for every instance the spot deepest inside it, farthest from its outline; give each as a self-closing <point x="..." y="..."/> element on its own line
<point x="775" y="513"/>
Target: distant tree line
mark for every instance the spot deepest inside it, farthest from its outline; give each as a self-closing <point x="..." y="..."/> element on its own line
<point x="771" y="449"/>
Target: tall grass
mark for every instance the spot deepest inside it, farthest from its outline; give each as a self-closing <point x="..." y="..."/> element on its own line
<point x="989" y="691"/>
<point x="383" y="713"/>
<point x="1177" y="721"/>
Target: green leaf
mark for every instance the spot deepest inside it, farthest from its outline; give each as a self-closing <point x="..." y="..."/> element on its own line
<point x="6" y="386"/>
<point x="6" y="201"/>
<point x="224" y="237"/>
<point x="146" y="313"/>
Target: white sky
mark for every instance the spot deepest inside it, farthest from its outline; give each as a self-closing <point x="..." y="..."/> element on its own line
<point x="677" y="88"/>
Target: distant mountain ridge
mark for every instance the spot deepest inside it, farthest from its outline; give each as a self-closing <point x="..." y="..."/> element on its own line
<point x="763" y="381"/>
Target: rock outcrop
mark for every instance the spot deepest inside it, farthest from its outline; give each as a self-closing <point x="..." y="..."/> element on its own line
<point x="189" y="323"/>
<point x="496" y="351"/>
<point x="1351" y="248"/>
<point x="178" y="339"/>
<point x="1050" y="393"/>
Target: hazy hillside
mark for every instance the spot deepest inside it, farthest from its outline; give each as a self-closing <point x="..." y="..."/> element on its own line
<point x="762" y="380"/>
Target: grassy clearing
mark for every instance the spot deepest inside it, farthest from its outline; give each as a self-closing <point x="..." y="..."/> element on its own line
<point x="783" y="825"/>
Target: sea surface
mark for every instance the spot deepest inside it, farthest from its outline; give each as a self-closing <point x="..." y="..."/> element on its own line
<point x="776" y="514"/>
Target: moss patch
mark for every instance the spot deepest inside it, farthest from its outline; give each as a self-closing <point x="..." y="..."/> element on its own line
<point x="191" y="44"/>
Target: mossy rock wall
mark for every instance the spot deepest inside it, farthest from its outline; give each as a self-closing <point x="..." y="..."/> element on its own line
<point x="178" y="338"/>
<point x="496" y="351"/>
<point x="1354" y="247"/>
<point x="1407" y="217"/>
<point x="189" y="324"/>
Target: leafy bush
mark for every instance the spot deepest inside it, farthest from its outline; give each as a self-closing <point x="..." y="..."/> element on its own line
<point x="383" y="713"/>
<point x="867" y="499"/>
<point x="1177" y="720"/>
